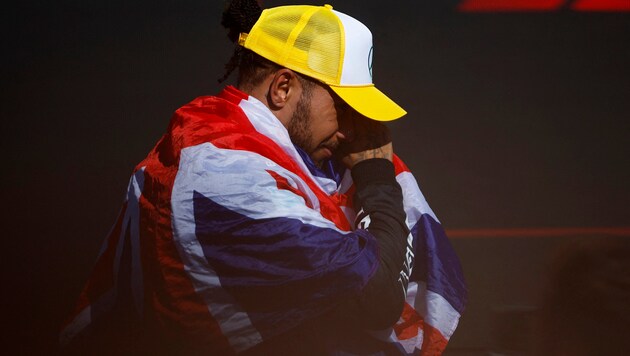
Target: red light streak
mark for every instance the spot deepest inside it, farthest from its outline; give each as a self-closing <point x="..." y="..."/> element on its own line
<point x="601" y="5"/>
<point x="543" y="5"/>
<point x="538" y="232"/>
<point x="509" y="5"/>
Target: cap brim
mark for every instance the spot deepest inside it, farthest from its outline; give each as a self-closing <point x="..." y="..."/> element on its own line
<point x="370" y="102"/>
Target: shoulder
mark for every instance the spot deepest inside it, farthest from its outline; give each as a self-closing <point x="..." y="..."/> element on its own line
<point x="208" y="119"/>
<point x="224" y="105"/>
<point x="209" y="109"/>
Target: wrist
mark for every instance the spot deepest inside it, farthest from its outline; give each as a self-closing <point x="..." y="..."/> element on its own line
<point x="383" y="152"/>
<point x="375" y="170"/>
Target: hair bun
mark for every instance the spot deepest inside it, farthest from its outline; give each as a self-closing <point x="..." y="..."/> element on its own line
<point x="240" y="16"/>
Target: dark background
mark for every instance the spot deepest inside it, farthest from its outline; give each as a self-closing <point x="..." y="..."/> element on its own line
<point x="516" y="120"/>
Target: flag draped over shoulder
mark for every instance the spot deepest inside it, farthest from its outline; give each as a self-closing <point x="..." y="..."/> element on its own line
<point x="436" y="295"/>
<point x="226" y="239"/>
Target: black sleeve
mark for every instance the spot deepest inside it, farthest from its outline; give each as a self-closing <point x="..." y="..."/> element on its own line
<point x="379" y="204"/>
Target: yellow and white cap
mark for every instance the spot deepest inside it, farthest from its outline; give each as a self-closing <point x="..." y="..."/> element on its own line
<point x="326" y="45"/>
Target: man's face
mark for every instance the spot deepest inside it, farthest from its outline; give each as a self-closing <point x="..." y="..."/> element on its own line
<point x="314" y="125"/>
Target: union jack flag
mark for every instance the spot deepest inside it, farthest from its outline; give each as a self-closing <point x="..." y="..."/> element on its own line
<point x="227" y="239"/>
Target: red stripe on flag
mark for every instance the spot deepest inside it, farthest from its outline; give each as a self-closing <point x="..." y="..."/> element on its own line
<point x="509" y="5"/>
<point x="399" y="165"/>
<point x="539" y="232"/>
<point x="601" y="5"/>
<point x="283" y="183"/>
<point x="410" y="325"/>
<point x="181" y="313"/>
<point x="433" y="342"/>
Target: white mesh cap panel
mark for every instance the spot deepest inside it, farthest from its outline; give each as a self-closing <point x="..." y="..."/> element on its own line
<point x="357" y="61"/>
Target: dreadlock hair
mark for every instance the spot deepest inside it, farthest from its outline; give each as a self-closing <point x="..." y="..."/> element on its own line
<point x="240" y="16"/>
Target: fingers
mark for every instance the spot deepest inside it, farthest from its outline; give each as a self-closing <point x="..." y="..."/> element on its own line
<point x="363" y="139"/>
<point x="362" y="134"/>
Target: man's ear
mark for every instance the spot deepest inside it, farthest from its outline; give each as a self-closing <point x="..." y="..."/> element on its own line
<point x="282" y="88"/>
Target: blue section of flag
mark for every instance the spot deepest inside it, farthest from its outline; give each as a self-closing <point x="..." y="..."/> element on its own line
<point x="330" y="169"/>
<point x="282" y="269"/>
<point x="436" y="262"/>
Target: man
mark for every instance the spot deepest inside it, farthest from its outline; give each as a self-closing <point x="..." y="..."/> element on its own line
<point x="270" y="219"/>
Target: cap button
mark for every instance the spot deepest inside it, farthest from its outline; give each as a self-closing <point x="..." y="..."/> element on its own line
<point x="329" y="7"/>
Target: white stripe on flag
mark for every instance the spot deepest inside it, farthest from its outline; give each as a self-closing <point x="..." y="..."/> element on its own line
<point x="413" y="200"/>
<point x="218" y="175"/>
<point x="434" y="309"/>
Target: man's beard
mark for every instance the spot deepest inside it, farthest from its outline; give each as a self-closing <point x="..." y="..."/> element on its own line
<point x="299" y="125"/>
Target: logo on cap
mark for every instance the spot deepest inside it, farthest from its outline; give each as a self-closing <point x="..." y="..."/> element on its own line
<point x="370" y="55"/>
